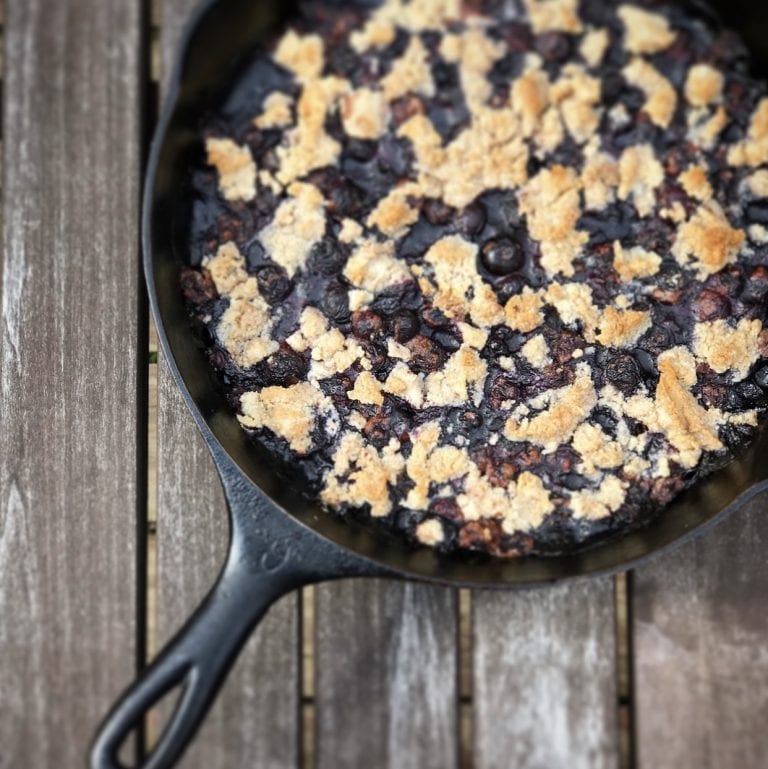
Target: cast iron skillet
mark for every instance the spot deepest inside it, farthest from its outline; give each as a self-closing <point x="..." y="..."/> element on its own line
<point x="279" y="541"/>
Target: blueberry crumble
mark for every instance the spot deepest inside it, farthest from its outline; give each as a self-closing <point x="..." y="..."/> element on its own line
<point x="491" y="271"/>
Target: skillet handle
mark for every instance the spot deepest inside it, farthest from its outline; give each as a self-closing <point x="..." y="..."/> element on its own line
<point x="196" y="661"/>
<point x="270" y="554"/>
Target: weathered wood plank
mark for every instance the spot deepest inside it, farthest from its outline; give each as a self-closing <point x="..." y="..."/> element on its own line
<point x="544" y="678"/>
<point x="385" y="676"/>
<point x="255" y="721"/>
<point x="71" y="362"/>
<point x="701" y="650"/>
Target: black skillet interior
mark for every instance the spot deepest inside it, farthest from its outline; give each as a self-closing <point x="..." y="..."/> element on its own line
<point x="279" y="541"/>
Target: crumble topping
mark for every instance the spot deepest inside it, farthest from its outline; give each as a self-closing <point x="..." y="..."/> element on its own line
<point x="298" y="224"/>
<point x="523" y="312"/>
<point x="373" y="266"/>
<point x="277" y="112"/>
<point x="728" y="349"/>
<point x="377" y="33"/>
<point x="453" y="260"/>
<point x="634" y="262"/>
<point x="640" y="175"/>
<point x="565" y="409"/>
<point x="364" y="113"/>
<point x="479" y="284"/>
<point x="645" y="32"/>
<point x="430" y="532"/>
<point x="695" y="182"/>
<point x="704" y="85"/>
<point x="753" y="151"/>
<point x="708" y="241"/>
<point x="551" y="203"/>
<point x="594" y="505"/>
<point x="302" y="55"/>
<point x="661" y="96"/>
<point x="758" y="183"/>
<point x="536" y="352"/>
<point x="393" y="216"/>
<point x="362" y="474"/>
<point x="290" y="412"/>
<point x="554" y="15"/>
<point x="237" y="171"/>
<point x="594" y="46"/>
<point x="307" y="145"/>
<point x="410" y="73"/>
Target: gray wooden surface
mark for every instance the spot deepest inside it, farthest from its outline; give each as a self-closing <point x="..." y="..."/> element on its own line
<point x="71" y="364"/>
<point x="540" y="678"/>
<point x="386" y="676"/>
<point x="255" y="722"/>
<point x="545" y="678"/>
<point x="701" y="650"/>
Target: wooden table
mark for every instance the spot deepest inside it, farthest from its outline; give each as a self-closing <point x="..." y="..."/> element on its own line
<point x="112" y="523"/>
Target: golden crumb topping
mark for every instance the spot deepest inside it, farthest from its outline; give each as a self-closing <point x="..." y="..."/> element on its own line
<point x="600" y="179"/>
<point x="554" y="15"/>
<point x="410" y="73"/>
<point x="707" y="241"/>
<point x="645" y="32"/>
<point x="640" y="175"/>
<point x="552" y="205"/>
<point x="377" y="33"/>
<point x="244" y="328"/>
<point x="430" y="532"/>
<point x="661" y="96"/>
<point x="704" y="85"/>
<point x="753" y="151"/>
<point x="289" y="412"/>
<point x="522" y="312"/>
<point x="631" y="263"/>
<point x="622" y="328"/>
<point x="405" y="384"/>
<point x="566" y="409"/>
<point x="418" y="15"/>
<point x="597" y="449"/>
<point x="277" y="111"/>
<point x="367" y="389"/>
<point x="298" y="224"/>
<point x="461" y="379"/>
<point x="594" y="46"/>
<point x="695" y="181"/>
<point x="594" y="505"/>
<point x="461" y="292"/>
<point x="302" y="55"/>
<point x="362" y="475"/>
<point x="687" y="425"/>
<point x="576" y="95"/>
<point x="727" y="348"/>
<point x="758" y="183"/>
<point x="235" y="166"/>
<point x="364" y="113"/>
<point x="373" y="266"/>
<point x="536" y="352"/>
<point x="393" y="216"/>
<point x="308" y="146"/>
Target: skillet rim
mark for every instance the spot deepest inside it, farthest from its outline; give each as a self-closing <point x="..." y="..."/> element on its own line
<point x="371" y="561"/>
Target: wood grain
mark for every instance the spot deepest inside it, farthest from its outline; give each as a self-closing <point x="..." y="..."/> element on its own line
<point x="544" y="678"/>
<point x="701" y="650"/>
<point x="385" y="676"/>
<point x="70" y="371"/>
<point x="255" y="721"/>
